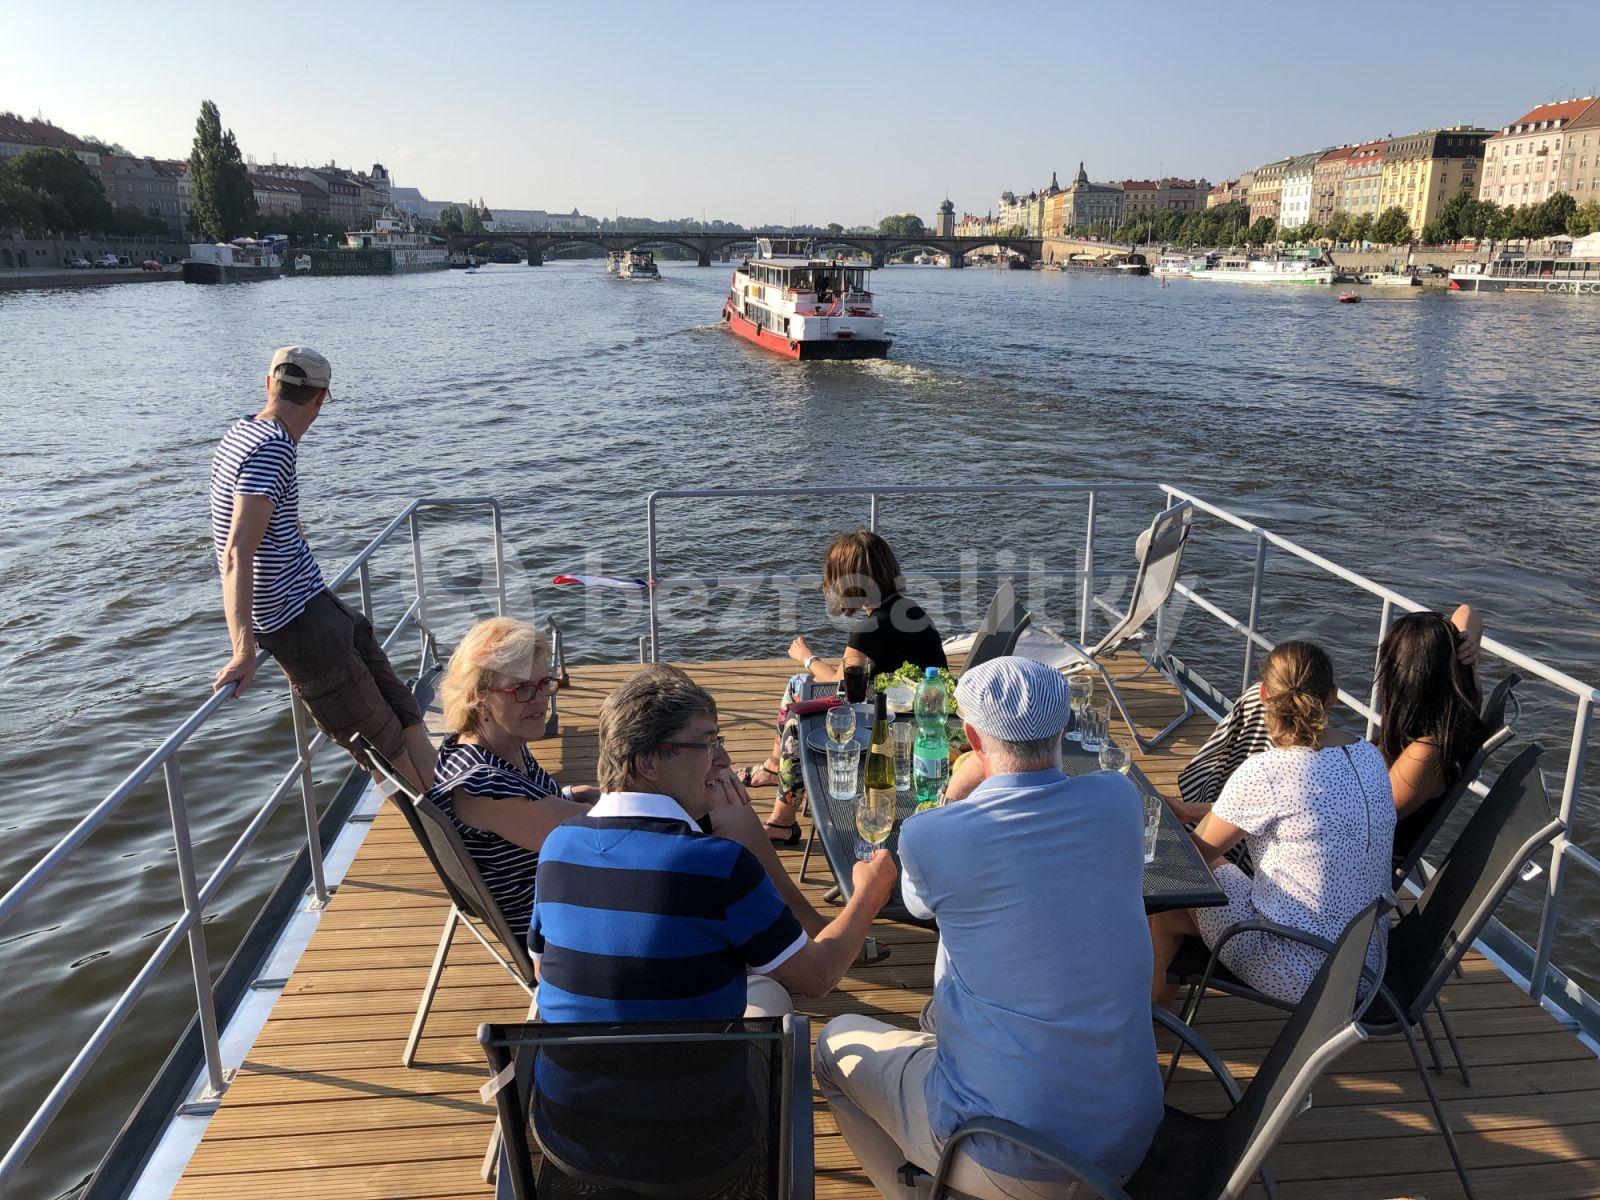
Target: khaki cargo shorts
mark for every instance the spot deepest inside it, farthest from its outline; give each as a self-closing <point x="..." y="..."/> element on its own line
<point x="340" y="672"/>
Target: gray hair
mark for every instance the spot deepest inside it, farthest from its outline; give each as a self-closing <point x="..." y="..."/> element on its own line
<point x="1028" y="754"/>
<point x="641" y="714"/>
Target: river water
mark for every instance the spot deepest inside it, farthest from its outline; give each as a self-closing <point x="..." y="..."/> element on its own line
<point x="1445" y="445"/>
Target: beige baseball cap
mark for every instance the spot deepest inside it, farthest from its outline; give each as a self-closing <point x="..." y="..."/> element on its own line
<point x="300" y="364"/>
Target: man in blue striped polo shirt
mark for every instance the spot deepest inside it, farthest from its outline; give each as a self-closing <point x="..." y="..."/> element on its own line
<point x="273" y="594"/>
<point x="641" y="916"/>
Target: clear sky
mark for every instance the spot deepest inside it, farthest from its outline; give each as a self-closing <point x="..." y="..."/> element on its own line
<point x="777" y="112"/>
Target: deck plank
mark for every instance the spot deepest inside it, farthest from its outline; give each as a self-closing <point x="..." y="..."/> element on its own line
<point x="323" y="1107"/>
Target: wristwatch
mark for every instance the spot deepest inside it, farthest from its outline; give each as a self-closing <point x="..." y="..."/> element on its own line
<point x="810" y="658"/>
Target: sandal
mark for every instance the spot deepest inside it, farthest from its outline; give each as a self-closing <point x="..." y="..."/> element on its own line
<point x="791" y="836"/>
<point x="747" y="776"/>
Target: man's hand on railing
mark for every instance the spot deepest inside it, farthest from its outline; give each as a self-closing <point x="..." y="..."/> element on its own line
<point x="241" y="669"/>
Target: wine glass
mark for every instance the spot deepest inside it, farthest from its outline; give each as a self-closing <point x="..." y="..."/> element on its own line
<point x="874" y="819"/>
<point x="841" y="723"/>
<point x="1113" y="757"/>
<point x="1080" y="689"/>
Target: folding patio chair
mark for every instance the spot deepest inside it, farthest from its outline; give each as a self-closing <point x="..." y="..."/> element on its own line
<point x="1214" y="1158"/>
<point x="1159" y="552"/>
<point x="1511" y="825"/>
<point x="471" y="904"/>
<point x="1002" y="625"/>
<point x="663" y="1110"/>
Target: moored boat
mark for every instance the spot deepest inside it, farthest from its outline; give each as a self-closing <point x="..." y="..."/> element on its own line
<point x="1111" y="263"/>
<point x="1568" y="275"/>
<point x="385" y="249"/>
<point x="793" y="303"/>
<point x="1405" y="278"/>
<point x="638" y="264"/>
<point x="1172" y="262"/>
<point x="238" y="261"/>
<point x="1242" y="268"/>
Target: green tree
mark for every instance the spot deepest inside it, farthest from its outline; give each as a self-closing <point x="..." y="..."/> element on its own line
<point x="1391" y="228"/>
<point x="1359" y="229"/>
<point x="79" y="197"/>
<point x="1585" y="220"/>
<point x="1502" y="223"/>
<point x="1337" y="227"/>
<point x="224" y="201"/>
<point x="1261" y="231"/>
<point x="835" y="229"/>
<point x="1550" y="217"/>
<point x="27" y="209"/>
<point x="906" y="225"/>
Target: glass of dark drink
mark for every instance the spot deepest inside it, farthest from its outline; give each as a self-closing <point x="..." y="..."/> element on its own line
<point x="855" y="682"/>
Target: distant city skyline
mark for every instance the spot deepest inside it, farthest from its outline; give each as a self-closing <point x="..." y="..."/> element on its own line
<point x="713" y="110"/>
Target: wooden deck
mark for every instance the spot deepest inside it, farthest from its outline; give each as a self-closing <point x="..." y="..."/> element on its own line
<point x="322" y="1106"/>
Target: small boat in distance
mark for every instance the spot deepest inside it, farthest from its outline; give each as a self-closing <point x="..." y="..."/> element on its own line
<point x="793" y="303"/>
<point x="1241" y="268"/>
<point x="1349" y="298"/>
<point x="238" y="261"/>
<point x="613" y="261"/>
<point x="1113" y="263"/>
<point x="638" y="264"/>
<point x="1172" y="262"/>
<point x="1405" y="277"/>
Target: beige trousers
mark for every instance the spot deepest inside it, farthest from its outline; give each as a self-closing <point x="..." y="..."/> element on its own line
<point x="872" y="1076"/>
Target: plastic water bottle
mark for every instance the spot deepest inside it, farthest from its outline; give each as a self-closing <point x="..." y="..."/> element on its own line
<point x="930" y="755"/>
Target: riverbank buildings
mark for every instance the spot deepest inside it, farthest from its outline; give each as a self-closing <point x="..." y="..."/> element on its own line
<point x="1362" y="188"/>
<point x="1294" y="196"/>
<point x="1421" y="171"/>
<point x="1580" y="165"/>
<point x="1266" y="189"/>
<point x="1231" y="191"/>
<point x="1525" y="161"/>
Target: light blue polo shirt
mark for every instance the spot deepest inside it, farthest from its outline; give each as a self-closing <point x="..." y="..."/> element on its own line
<point x="1041" y="999"/>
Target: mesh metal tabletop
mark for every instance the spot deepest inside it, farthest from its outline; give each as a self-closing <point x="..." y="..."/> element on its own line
<point x="1176" y="878"/>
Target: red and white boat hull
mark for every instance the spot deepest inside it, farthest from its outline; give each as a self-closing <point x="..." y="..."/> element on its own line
<point x="844" y="344"/>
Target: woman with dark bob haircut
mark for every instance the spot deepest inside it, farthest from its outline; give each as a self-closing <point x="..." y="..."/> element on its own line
<point x="860" y="574"/>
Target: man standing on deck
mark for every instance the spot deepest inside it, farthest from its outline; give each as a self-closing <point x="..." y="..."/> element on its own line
<point x="1040" y="1012"/>
<point x="272" y="589"/>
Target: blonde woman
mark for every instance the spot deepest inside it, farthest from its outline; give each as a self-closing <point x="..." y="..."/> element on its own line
<point x="496" y="699"/>
<point x="1318" y="814"/>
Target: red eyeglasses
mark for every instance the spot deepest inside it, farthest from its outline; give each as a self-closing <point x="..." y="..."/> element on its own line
<point x="525" y="692"/>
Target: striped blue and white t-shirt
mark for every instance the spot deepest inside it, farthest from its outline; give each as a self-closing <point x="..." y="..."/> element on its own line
<point x="507" y="868"/>
<point x="640" y="916"/>
<point x="257" y="458"/>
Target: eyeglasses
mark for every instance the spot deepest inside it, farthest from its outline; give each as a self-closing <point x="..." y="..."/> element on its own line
<point x="715" y="746"/>
<point x="525" y="692"/>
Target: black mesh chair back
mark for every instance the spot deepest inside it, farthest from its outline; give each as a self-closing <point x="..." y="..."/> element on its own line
<point x="1002" y="626"/>
<point x="1318" y="1031"/>
<point x="1509" y="826"/>
<point x="658" y="1110"/>
<point x="452" y="862"/>
<point x="1497" y="734"/>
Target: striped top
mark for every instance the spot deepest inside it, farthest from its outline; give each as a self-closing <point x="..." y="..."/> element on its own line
<point x="1240" y="734"/>
<point x="640" y="916"/>
<point x="507" y="868"/>
<point x="257" y="458"/>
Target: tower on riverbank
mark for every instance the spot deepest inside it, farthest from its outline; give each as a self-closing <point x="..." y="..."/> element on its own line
<point x="944" y="225"/>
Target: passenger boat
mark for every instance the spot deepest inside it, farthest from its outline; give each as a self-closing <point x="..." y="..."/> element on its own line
<point x="638" y="264"/>
<point x="238" y="261"/>
<point x="1555" y="276"/>
<point x="1173" y="263"/>
<point x="1407" y="278"/>
<point x="613" y="261"/>
<point x="387" y="248"/>
<point x="1242" y="268"/>
<point x="288" y="1081"/>
<point x="1111" y="264"/>
<point x="793" y="303"/>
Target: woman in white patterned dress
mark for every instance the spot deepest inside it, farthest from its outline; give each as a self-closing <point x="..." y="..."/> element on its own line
<point x="1317" y="813"/>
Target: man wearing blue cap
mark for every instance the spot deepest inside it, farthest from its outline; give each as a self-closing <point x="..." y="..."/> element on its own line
<point x="1040" y="1012"/>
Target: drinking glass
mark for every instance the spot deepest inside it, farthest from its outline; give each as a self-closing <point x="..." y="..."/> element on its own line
<point x="1080" y="688"/>
<point x="855" y="682"/>
<point x="905" y="737"/>
<point x="899" y="699"/>
<point x="874" y="821"/>
<point x="1152" y="825"/>
<point x="843" y="760"/>
<point x="841" y="723"/>
<point x="1096" y="726"/>
<point x="1113" y="757"/>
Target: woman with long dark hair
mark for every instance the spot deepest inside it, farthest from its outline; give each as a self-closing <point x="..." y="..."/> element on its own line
<point x="1429" y="698"/>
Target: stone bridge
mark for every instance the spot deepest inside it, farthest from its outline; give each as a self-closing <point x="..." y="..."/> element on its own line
<point x="706" y="246"/>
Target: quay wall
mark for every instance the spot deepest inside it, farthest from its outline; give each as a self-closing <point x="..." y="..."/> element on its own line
<point x="18" y="253"/>
<point x="16" y="281"/>
<point x="1056" y="249"/>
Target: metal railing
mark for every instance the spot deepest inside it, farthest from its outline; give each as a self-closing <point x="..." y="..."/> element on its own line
<point x="1583" y="696"/>
<point x="196" y="896"/>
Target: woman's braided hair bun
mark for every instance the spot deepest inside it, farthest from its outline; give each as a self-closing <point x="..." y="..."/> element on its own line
<point x="1297" y="679"/>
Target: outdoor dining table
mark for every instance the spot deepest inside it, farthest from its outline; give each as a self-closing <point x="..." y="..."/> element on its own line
<point x="1176" y="878"/>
